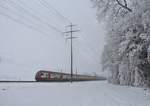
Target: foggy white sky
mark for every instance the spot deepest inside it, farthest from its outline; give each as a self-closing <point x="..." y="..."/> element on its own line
<point x="24" y="51"/>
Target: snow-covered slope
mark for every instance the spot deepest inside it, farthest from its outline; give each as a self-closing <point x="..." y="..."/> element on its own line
<point x="94" y="93"/>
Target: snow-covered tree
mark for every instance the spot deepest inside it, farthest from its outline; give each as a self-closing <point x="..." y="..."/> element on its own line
<point x="127" y="53"/>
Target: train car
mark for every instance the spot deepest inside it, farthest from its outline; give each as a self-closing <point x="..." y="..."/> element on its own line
<point x="58" y="76"/>
<point x="49" y="76"/>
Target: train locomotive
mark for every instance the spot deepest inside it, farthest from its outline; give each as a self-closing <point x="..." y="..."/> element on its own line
<point x="47" y="76"/>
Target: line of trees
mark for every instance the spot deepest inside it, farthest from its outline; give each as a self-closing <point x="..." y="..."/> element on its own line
<point x="126" y="55"/>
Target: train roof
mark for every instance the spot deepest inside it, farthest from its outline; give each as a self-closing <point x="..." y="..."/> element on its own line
<point x="62" y="73"/>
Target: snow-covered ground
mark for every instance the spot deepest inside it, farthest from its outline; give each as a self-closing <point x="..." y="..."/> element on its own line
<point x="94" y="93"/>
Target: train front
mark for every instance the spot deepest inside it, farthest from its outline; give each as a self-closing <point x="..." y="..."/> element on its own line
<point x="42" y="76"/>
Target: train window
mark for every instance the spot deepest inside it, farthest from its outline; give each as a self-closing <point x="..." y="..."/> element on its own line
<point x="41" y="74"/>
<point x="55" y="75"/>
<point x="44" y="75"/>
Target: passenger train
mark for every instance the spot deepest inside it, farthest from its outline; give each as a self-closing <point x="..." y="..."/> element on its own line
<point x="48" y="76"/>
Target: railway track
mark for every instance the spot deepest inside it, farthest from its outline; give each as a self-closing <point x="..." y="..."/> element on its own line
<point x="6" y="81"/>
<point x="17" y="81"/>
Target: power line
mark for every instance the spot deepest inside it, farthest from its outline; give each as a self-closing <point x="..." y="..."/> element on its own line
<point x="90" y="50"/>
<point x="22" y="15"/>
<point x="38" y="18"/>
<point x="20" y="22"/>
<point x="9" y="16"/>
<point x="47" y="5"/>
<point x="19" y="8"/>
<point x="50" y="13"/>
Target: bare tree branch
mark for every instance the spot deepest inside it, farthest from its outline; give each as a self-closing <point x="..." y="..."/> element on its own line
<point x="118" y="11"/>
<point x="124" y="6"/>
<point x="125" y="3"/>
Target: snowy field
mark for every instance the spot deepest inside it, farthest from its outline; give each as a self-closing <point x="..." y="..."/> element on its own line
<point x="94" y="93"/>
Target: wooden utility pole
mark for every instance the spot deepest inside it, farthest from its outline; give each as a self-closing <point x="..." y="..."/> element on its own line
<point x="71" y="37"/>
